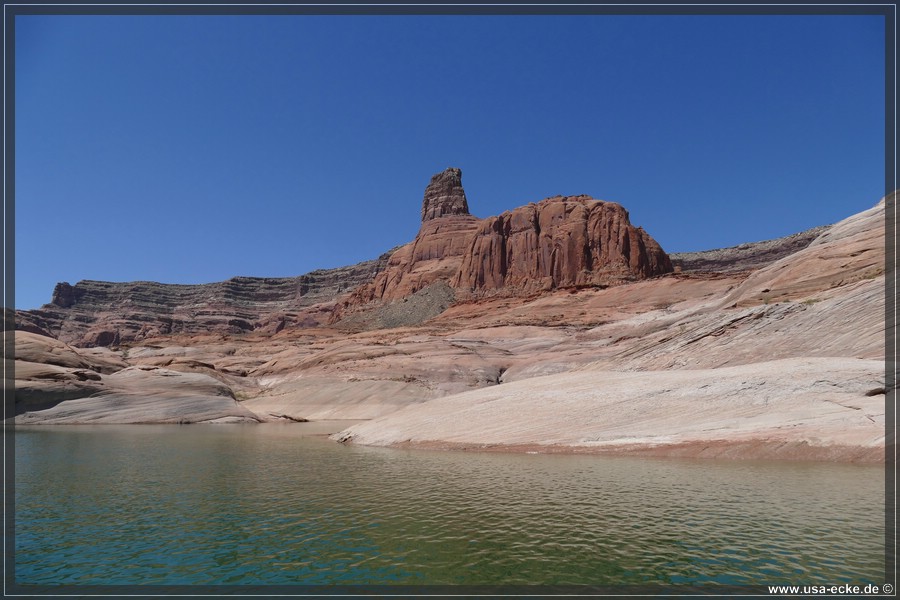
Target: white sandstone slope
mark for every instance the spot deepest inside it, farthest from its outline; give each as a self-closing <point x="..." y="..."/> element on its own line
<point x="786" y="364"/>
<point x="809" y="407"/>
<point x="74" y="386"/>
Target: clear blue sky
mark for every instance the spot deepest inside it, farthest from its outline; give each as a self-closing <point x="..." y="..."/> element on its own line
<point x="191" y="149"/>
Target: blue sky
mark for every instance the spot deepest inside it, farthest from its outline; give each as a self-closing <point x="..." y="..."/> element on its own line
<point x="191" y="149"/>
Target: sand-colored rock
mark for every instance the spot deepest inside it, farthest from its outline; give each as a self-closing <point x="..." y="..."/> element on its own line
<point x="769" y="350"/>
<point x="840" y="322"/>
<point x="823" y="403"/>
<point x="134" y="395"/>
<point x="820" y="400"/>
<point x="849" y="251"/>
<point x="744" y="257"/>
<point x="56" y="383"/>
<point x="40" y="385"/>
<point x="35" y="348"/>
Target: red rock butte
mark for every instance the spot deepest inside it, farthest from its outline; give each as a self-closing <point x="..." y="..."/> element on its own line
<point x="565" y="241"/>
<point x="506" y="333"/>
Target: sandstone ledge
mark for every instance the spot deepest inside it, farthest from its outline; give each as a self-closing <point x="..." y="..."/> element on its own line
<point x="797" y="408"/>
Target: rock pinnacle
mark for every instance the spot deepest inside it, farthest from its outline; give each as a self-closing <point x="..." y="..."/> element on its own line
<point x="445" y="196"/>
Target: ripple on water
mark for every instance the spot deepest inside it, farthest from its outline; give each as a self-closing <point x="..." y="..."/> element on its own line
<point x="268" y="505"/>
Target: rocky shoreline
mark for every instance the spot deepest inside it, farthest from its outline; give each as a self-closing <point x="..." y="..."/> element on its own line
<point x="511" y="333"/>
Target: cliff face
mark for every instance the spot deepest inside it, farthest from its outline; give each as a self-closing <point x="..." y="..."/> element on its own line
<point x="667" y="365"/>
<point x="98" y="313"/>
<point x="572" y="241"/>
<point x="434" y="255"/>
<point x="559" y="242"/>
<point x="444" y="196"/>
<point x="437" y="250"/>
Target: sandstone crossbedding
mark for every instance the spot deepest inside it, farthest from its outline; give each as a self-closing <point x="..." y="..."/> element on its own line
<point x="100" y="313"/>
<point x="772" y="350"/>
<point x="799" y="407"/>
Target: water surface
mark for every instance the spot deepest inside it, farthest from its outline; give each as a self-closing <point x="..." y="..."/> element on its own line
<point x="274" y="504"/>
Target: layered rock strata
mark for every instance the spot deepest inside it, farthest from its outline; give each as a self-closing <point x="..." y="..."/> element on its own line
<point x="566" y="241"/>
<point x="820" y="408"/>
<point x="98" y="313"/>
<point x="779" y="363"/>
<point x="56" y="383"/>
<point x="435" y="253"/>
<point x="444" y="196"/>
<point x="786" y="364"/>
<point x="744" y="257"/>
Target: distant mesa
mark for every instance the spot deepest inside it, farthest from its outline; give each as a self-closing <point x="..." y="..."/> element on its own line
<point x="100" y="313"/>
<point x="565" y="241"/>
<point x="63" y="295"/>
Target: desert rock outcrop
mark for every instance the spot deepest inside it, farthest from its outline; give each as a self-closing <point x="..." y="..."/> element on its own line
<point x="565" y="333"/>
<point x="444" y="196"/>
<point x="56" y="383"/>
<point x="435" y="253"/>
<point x="99" y="313"/>
<point x="710" y="365"/>
<point x="821" y="408"/>
<point x="566" y="241"/>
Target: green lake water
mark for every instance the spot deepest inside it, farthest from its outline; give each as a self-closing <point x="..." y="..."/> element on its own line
<point x="278" y="505"/>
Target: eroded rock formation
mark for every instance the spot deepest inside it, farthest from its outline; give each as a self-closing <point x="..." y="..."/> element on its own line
<point x="444" y="196"/>
<point x="572" y="241"/>
<point x="437" y="250"/>
<point x="99" y="313"/>
<point x="781" y="362"/>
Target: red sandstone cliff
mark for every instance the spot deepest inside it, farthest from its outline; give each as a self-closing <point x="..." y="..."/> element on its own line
<point x="559" y="242"/>
<point x="436" y="252"/>
<point x="572" y="241"/>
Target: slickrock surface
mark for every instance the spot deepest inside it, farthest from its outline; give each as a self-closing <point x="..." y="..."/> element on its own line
<point x="56" y="383"/>
<point x="745" y="257"/>
<point x="820" y="400"/>
<point x="798" y="408"/>
<point x="849" y="251"/>
<point x="769" y="350"/>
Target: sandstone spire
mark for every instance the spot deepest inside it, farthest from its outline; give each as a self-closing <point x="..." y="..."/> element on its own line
<point x="444" y="196"/>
